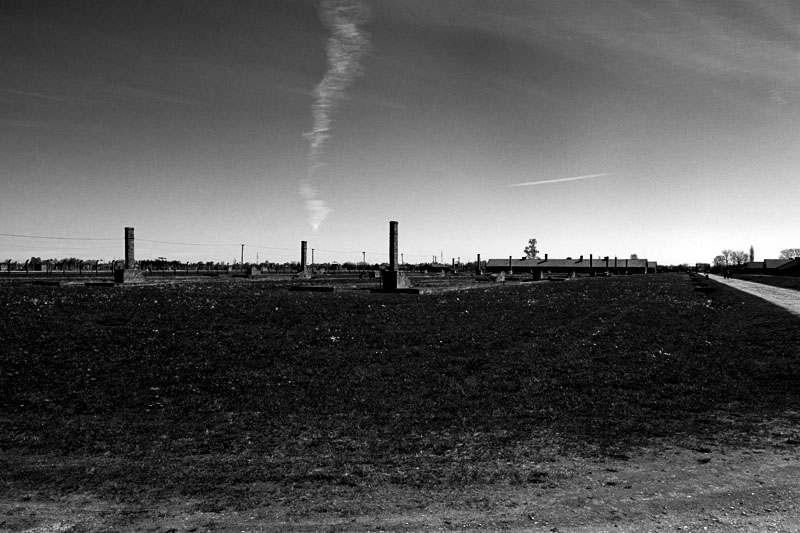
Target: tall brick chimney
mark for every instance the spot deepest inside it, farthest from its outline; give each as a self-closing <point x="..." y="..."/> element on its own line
<point x="130" y="257"/>
<point x="393" y="245"/>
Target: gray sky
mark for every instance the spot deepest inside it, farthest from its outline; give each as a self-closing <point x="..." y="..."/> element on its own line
<point x="267" y="123"/>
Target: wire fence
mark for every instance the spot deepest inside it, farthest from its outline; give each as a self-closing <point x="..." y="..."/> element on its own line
<point x="19" y="251"/>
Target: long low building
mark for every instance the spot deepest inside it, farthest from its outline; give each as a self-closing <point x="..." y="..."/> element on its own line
<point x="773" y="267"/>
<point x="581" y="266"/>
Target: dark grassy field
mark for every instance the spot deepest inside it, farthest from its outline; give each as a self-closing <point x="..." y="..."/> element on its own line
<point x="241" y="390"/>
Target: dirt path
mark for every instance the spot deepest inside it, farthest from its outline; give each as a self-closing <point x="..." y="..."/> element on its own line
<point x="658" y="489"/>
<point x="787" y="298"/>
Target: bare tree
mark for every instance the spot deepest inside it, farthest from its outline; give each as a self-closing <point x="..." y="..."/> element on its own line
<point x="739" y="257"/>
<point x="531" y="252"/>
<point x="790" y="253"/>
<point x="726" y="256"/>
<point x="719" y="261"/>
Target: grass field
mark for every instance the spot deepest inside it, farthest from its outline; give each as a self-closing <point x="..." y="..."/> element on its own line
<point x="237" y="392"/>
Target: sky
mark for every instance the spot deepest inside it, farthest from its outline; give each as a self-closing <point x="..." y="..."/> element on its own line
<point x="663" y="128"/>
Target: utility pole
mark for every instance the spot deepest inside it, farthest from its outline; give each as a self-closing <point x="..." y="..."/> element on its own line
<point x="364" y="260"/>
<point x="242" y="261"/>
<point x="312" y="259"/>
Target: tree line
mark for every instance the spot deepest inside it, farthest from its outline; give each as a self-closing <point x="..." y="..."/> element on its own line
<point x="737" y="258"/>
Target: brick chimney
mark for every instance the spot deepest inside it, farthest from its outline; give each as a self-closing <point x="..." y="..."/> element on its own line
<point x="393" y="244"/>
<point x="130" y="257"/>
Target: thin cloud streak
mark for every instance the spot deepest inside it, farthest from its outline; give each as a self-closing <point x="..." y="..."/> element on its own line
<point x="346" y="46"/>
<point x="317" y="208"/>
<point x="559" y="180"/>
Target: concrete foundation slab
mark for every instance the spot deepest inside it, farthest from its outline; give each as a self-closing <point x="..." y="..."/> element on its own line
<point x="393" y="280"/>
<point x="123" y="275"/>
<point x="395" y="291"/>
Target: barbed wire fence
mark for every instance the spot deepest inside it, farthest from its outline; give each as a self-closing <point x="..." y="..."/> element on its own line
<point x="17" y="249"/>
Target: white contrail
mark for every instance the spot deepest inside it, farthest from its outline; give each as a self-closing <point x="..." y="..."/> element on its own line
<point x="345" y="47"/>
<point x="573" y="178"/>
<point x="317" y="208"/>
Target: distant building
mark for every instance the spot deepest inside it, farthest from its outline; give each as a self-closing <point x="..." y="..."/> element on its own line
<point x="773" y="267"/>
<point x="767" y="266"/>
<point x="790" y="268"/>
